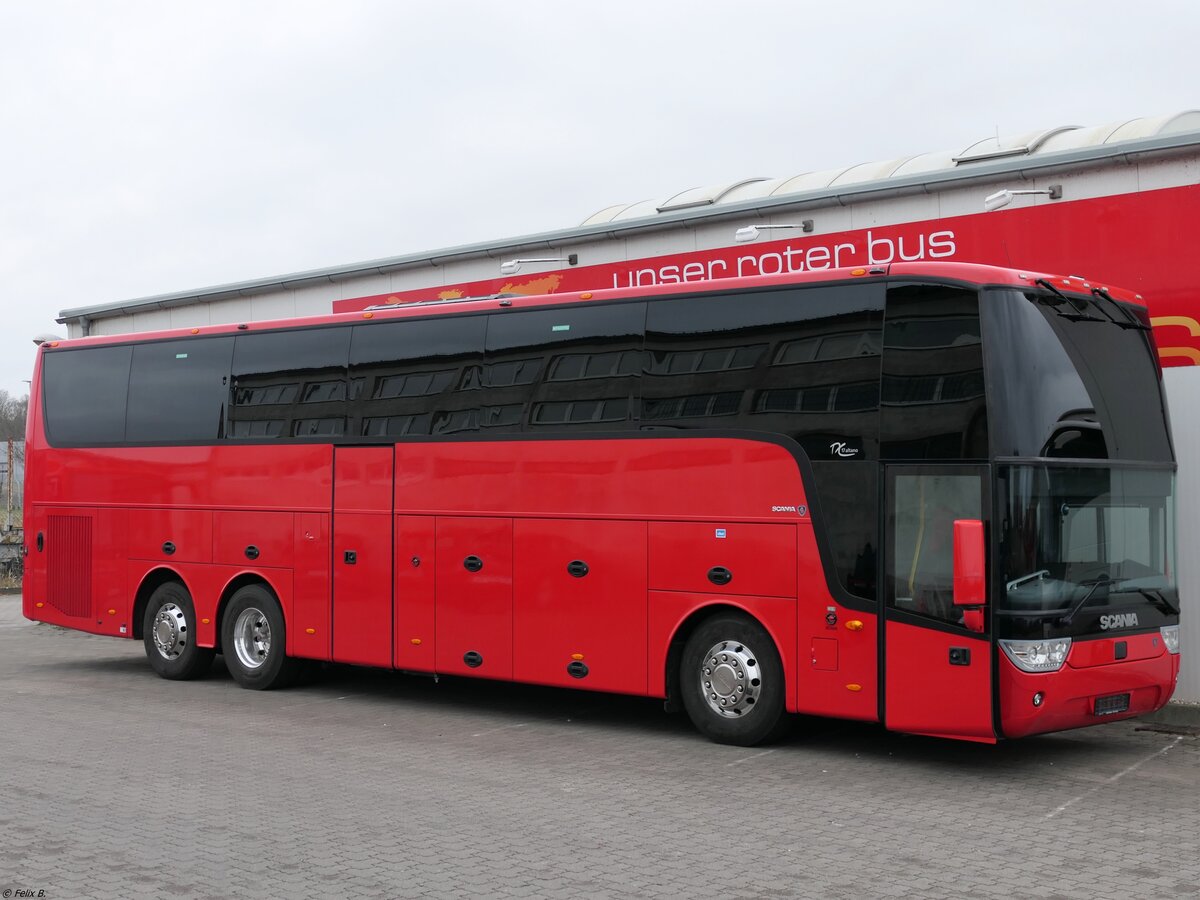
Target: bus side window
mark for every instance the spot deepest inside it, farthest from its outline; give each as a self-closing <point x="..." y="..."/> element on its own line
<point x="933" y="397"/>
<point x="416" y="376"/>
<point x="178" y="390"/>
<point x="572" y="368"/>
<point x="86" y="392"/>
<point x="289" y="384"/>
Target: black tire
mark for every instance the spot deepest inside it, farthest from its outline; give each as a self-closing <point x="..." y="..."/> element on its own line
<point x="253" y="639"/>
<point x="731" y="681"/>
<point x="169" y="633"/>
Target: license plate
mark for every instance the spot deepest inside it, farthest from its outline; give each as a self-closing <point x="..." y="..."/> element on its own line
<point x="1117" y="703"/>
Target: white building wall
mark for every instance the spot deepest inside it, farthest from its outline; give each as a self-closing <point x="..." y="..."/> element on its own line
<point x="1183" y="396"/>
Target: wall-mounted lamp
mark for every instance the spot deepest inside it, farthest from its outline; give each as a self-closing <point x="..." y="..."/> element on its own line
<point x="1000" y="199"/>
<point x="513" y="266"/>
<point x="750" y="232"/>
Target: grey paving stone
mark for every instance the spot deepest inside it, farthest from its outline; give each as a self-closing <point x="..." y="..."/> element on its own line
<point x="114" y="783"/>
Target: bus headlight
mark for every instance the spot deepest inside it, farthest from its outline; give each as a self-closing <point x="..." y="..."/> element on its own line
<point x="1037" y="656"/>
<point x="1170" y="636"/>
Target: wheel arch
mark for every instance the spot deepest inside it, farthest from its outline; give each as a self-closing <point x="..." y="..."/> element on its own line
<point x="152" y="581"/>
<point x="235" y="584"/>
<point x="701" y="613"/>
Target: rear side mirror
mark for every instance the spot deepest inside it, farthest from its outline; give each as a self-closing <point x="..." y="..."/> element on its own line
<point x="970" y="571"/>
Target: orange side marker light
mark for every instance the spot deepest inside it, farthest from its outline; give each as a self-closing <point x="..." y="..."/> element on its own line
<point x="854" y="687"/>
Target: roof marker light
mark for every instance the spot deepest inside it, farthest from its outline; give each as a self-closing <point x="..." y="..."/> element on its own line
<point x="368" y="315"/>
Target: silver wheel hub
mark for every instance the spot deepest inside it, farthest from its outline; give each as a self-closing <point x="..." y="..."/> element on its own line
<point x="170" y="631"/>
<point x="252" y="638"/>
<point x="730" y="679"/>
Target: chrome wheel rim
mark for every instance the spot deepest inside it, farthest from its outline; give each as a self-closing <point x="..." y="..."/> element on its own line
<point x="170" y="631"/>
<point x="252" y="638"/>
<point x="730" y="679"/>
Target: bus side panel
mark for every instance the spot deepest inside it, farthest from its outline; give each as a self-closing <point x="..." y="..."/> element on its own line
<point x="474" y="597"/>
<point x="261" y="538"/>
<point x="723" y="557"/>
<point x="310" y="634"/>
<point x="669" y="610"/>
<point x="579" y="596"/>
<point x="111" y="592"/>
<point x="414" y="593"/>
<point x="171" y="535"/>
<point x="33" y="584"/>
<point x="839" y="662"/>
<point x="679" y="478"/>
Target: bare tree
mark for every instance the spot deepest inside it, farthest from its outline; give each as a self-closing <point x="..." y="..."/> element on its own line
<point x="12" y="416"/>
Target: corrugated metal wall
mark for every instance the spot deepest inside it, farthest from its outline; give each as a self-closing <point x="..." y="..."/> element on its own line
<point x="1183" y="395"/>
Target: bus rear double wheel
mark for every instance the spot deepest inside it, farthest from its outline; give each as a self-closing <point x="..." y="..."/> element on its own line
<point x="253" y="639"/>
<point x="731" y="681"/>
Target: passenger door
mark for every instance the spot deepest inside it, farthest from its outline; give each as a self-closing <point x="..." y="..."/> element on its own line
<point x="938" y="672"/>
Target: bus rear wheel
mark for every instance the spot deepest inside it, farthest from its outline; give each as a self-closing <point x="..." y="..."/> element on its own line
<point x="169" y="633"/>
<point x="731" y="682"/>
<point x="253" y="640"/>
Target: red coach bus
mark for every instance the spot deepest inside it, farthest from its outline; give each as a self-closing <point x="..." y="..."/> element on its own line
<point x="934" y="495"/>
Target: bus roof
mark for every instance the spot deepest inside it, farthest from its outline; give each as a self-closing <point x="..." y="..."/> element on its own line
<point x="967" y="273"/>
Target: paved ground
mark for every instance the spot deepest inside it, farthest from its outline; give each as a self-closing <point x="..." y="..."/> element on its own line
<point x="115" y="783"/>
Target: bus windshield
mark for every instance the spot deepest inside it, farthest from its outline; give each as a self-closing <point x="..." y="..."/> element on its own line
<point x="1085" y="549"/>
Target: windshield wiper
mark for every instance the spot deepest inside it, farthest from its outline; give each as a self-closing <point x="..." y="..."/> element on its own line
<point x="1130" y="320"/>
<point x="1078" y="604"/>
<point x="1077" y="303"/>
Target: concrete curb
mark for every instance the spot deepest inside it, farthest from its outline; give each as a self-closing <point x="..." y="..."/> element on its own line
<point x="1178" y="713"/>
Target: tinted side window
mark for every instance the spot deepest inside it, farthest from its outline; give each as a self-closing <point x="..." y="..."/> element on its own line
<point x="418" y="377"/>
<point x="289" y="384"/>
<point x="571" y="368"/>
<point x="803" y="362"/>
<point x="178" y="390"/>
<point x="85" y="393"/>
<point x="933" y="398"/>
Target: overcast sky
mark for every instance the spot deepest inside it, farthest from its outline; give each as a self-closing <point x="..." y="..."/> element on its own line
<point x="160" y="146"/>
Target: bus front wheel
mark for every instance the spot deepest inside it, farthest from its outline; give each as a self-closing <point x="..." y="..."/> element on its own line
<point x="731" y="681"/>
<point x="169" y="633"/>
<point x="253" y="640"/>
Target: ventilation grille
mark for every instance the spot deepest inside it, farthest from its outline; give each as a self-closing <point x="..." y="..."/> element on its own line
<point x="69" y="564"/>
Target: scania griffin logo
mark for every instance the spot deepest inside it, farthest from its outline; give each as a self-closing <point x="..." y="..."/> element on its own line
<point x="1118" y="620"/>
<point x="798" y="510"/>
